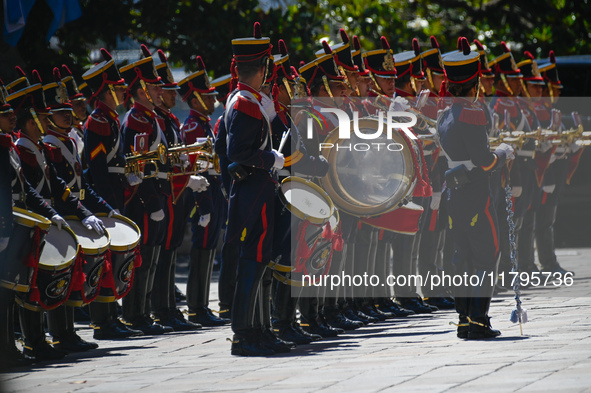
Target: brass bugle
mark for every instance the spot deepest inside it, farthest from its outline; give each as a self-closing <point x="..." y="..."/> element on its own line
<point x="203" y="151"/>
<point x="136" y="162"/>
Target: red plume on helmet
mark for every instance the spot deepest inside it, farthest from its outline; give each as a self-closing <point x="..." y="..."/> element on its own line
<point x="478" y="44"/>
<point x="326" y="47"/>
<point x="146" y="51"/>
<point x="66" y="70"/>
<point x="434" y="43"/>
<point x="162" y="56"/>
<point x="257" y="30"/>
<point x="356" y="43"/>
<point x="552" y="57"/>
<point x="106" y="55"/>
<point x="344" y="36"/>
<point x="37" y="77"/>
<point x="465" y="46"/>
<point x="20" y="71"/>
<point x="282" y="48"/>
<point x="459" y="43"/>
<point x="56" y="74"/>
<point x="385" y="43"/>
<point x="200" y="63"/>
<point x="505" y="47"/>
<point x="528" y="55"/>
<point x="302" y="63"/>
<point x="416" y="47"/>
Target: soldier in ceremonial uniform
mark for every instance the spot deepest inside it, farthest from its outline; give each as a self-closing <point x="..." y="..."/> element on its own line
<point x="252" y="195"/>
<point x="79" y="109"/>
<point x="104" y="157"/>
<point x="208" y="210"/>
<point x="380" y="64"/>
<point x="363" y="78"/>
<point x="472" y="219"/>
<point x="178" y="207"/>
<point x="488" y="76"/>
<point x="147" y="203"/>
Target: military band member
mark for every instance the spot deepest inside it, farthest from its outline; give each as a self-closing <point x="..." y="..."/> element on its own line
<point x="251" y="205"/>
<point x="208" y="210"/>
<point x="79" y="109"/>
<point x="488" y="76"/>
<point x="464" y="139"/>
<point x="147" y="203"/>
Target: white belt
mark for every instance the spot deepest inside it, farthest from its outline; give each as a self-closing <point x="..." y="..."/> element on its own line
<point x="162" y="175"/>
<point x="76" y="194"/>
<point x="525" y="153"/>
<point x="467" y="163"/>
<point x="212" y="172"/>
<point x="561" y="149"/>
<point x="16" y="197"/>
<point x="283" y="172"/>
<point x="116" y="169"/>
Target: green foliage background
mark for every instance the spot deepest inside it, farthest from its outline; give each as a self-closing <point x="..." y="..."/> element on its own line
<point x="187" y="28"/>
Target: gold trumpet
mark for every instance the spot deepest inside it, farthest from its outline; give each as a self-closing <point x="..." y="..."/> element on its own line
<point x="136" y="162"/>
<point x="205" y="157"/>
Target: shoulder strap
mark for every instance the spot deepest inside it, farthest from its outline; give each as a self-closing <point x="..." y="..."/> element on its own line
<point x="29" y="144"/>
<point x="68" y="155"/>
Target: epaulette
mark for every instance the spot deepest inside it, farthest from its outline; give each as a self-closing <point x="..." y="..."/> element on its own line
<point x="473" y="115"/>
<point x="190" y="126"/>
<point x="542" y="113"/>
<point x="175" y="120"/>
<point x="53" y="154"/>
<point x="216" y="127"/>
<point x="248" y="107"/>
<point x="161" y="123"/>
<point x="503" y="105"/>
<point x="27" y="156"/>
<point x="139" y="123"/>
<point x="5" y="140"/>
<point x="98" y="124"/>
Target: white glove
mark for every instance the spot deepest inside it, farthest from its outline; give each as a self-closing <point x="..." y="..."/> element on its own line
<point x="157" y="216"/>
<point x="279" y="159"/>
<point x="59" y="221"/>
<point x="549" y="189"/>
<point x="269" y="106"/>
<point x="545" y="146"/>
<point x="185" y="162"/>
<point x="4" y="243"/>
<point x="204" y="220"/>
<point x="91" y="222"/>
<point x="516" y="191"/>
<point x="197" y="183"/>
<point x="574" y="147"/>
<point x="508" y="149"/>
<point x="435" y="200"/>
<point x="133" y="179"/>
<point x="400" y="104"/>
<point x="113" y="212"/>
<point x="552" y="159"/>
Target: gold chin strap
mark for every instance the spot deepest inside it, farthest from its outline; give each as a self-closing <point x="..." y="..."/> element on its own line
<point x="524" y="88"/>
<point x="286" y="84"/>
<point x="413" y="84"/>
<point x="551" y="91"/>
<point x="198" y="96"/>
<point x="430" y="78"/>
<point x="344" y="74"/>
<point x="327" y="86"/>
<point x="114" y="94"/>
<point x="477" y="90"/>
<point x="377" y="89"/>
<point x="506" y="84"/>
<point x="145" y="89"/>
<point x="37" y="121"/>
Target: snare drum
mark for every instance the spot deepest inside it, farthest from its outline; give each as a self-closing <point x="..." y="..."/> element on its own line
<point x="52" y="282"/>
<point x="125" y="244"/>
<point x="319" y="262"/>
<point x="311" y="208"/>
<point x="21" y="257"/>
<point x="89" y="273"/>
<point x="403" y="220"/>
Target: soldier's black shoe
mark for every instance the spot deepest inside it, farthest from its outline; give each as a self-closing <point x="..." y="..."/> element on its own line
<point x="440" y="302"/>
<point x="338" y="319"/>
<point x="558" y="269"/>
<point x="300" y="329"/>
<point x="71" y="342"/>
<point x="290" y="334"/>
<point x="111" y="331"/>
<point x="204" y="317"/>
<point x="480" y="329"/>
<point x="274" y="343"/>
<point x="362" y="316"/>
<point x="353" y="319"/>
<point x="394" y="308"/>
<point x="463" y="327"/>
<point x="149" y="327"/>
<point x="121" y="325"/>
<point x="177" y="322"/>
<point x="313" y="327"/>
<point x="15" y="358"/>
<point x="43" y="351"/>
<point x="415" y="305"/>
<point x="241" y="346"/>
<point x="322" y="320"/>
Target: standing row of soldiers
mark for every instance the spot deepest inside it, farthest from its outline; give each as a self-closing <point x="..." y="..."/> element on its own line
<point x="248" y="136"/>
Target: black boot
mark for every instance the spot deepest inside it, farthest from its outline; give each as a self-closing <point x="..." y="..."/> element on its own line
<point x="387" y="304"/>
<point x="60" y="322"/>
<point x="283" y="318"/>
<point x="227" y="280"/>
<point x="198" y="287"/>
<point x="161" y="289"/>
<point x="36" y="346"/>
<point x="478" y="312"/>
<point x="247" y="339"/>
<point x="11" y="356"/>
<point x="176" y="320"/>
<point x="335" y="318"/>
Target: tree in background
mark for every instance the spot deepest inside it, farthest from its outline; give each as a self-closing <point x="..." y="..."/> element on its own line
<point x="187" y="28"/>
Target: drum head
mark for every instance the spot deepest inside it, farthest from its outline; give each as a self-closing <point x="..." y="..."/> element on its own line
<point x="91" y="242"/>
<point x="368" y="177"/>
<point x="60" y="249"/>
<point x="125" y="235"/>
<point x="29" y="219"/>
<point x="306" y="200"/>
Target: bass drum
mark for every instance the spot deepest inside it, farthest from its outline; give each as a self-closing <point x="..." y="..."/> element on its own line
<point x="19" y="260"/>
<point x="369" y="177"/>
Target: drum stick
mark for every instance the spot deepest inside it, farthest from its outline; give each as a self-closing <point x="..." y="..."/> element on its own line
<point x="284" y="139"/>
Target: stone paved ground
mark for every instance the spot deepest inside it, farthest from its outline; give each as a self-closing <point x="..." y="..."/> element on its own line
<point x="415" y="354"/>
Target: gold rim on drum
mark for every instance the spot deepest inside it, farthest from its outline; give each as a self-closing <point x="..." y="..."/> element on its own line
<point x="131" y="224"/>
<point x="297" y="212"/>
<point x="67" y="263"/>
<point x="30" y="219"/>
<point x="91" y="251"/>
<point x="343" y="199"/>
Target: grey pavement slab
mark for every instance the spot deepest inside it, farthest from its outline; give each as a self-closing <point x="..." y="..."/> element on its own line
<point x="416" y="354"/>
